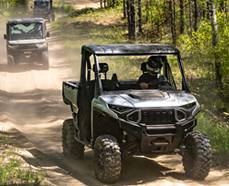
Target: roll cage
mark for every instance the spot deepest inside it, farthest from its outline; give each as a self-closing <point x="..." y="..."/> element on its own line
<point x="126" y="50"/>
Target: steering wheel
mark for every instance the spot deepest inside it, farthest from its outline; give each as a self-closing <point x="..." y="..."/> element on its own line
<point x="153" y="84"/>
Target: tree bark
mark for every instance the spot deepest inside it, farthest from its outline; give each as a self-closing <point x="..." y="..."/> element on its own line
<point x="129" y="18"/>
<point x="104" y="3"/>
<point x="124" y="8"/>
<point x="213" y="19"/>
<point x="190" y="17"/>
<point x="195" y="16"/>
<point x="140" y="16"/>
<point x="181" y="17"/>
<point x="173" y="26"/>
<point x="133" y="19"/>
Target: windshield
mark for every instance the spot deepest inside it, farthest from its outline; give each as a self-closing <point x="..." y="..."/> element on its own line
<point x="41" y="5"/>
<point x="26" y="31"/>
<point x="129" y="71"/>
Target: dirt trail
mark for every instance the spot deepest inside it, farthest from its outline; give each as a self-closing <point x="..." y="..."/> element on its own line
<point x="31" y="109"/>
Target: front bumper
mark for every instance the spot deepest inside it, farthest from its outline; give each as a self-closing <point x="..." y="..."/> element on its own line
<point x="32" y="54"/>
<point x="158" y="138"/>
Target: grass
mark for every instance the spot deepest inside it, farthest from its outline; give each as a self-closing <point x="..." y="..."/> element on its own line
<point x="61" y="7"/>
<point x="13" y="170"/>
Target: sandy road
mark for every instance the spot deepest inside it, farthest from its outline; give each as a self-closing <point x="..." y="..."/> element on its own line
<point x="30" y="101"/>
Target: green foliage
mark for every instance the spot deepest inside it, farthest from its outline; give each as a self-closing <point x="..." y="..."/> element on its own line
<point x="217" y="132"/>
<point x="12" y="3"/>
<point x="63" y="7"/>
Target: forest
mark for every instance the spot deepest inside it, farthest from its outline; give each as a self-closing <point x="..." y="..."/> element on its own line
<point x="198" y="28"/>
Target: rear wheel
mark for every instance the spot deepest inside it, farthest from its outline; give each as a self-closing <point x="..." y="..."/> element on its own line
<point x="107" y="159"/>
<point x="196" y="155"/>
<point x="45" y="60"/>
<point x="71" y="148"/>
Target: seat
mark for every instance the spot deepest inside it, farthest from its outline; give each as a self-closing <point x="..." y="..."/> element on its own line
<point x="143" y="67"/>
<point x="115" y="79"/>
<point x="108" y="84"/>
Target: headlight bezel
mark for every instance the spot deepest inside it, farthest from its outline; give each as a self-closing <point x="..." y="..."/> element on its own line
<point x="120" y="109"/>
<point x="13" y="46"/>
<point x="42" y="45"/>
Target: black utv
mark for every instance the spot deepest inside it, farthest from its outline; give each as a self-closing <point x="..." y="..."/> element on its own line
<point x="26" y="42"/>
<point x="116" y="118"/>
<point x="44" y="9"/>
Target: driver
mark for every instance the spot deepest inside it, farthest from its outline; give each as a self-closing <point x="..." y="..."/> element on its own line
<point x="149" y="80"/>
<point x="36" y="32"/>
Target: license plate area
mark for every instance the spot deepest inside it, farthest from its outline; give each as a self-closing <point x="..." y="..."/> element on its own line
<point x="27" y="52"/>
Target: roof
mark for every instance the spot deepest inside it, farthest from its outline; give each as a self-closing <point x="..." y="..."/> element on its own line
<point x="131" y="49"/>
<point x="25" y="20"/>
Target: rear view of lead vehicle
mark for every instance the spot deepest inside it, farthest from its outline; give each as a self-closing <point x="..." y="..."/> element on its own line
<point x="115" y="117"/>
<point x="26" y="42"/>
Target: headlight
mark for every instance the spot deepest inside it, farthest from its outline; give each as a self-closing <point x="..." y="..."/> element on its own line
<point x="13" y="46"/>
<point x="189" y="106"/>
<point x="120" y="109"/>
<point x="42" y="45"/>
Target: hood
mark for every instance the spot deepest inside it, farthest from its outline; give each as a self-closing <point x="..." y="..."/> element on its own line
<point x="149" y="98"/>
<point x="27" y="41"/>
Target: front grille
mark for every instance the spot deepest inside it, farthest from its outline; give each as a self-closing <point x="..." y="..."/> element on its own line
<point x="155" y="117"/>
<point x="27" y="47"/>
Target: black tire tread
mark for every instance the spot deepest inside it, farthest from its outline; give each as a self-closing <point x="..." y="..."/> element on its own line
<point x="71" y="148"/>
<point x="112" y="159"/>
<point x="198" y="167"/>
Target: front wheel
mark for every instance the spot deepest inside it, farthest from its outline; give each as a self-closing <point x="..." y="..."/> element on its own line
<point x="107" y="159"/>
<point x="71" y="147"/>
<point x="196" y="155"/>
<point x="10" y="62"/>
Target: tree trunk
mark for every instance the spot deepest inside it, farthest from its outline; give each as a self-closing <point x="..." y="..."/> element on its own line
<point x="181" y="17"/>
<point x="147" y="11"/>
<point x="129" y="18"/>
<point x="213" y="19"/>
<point x="113" y="3"/>
<point x="124" y="8"/>
<point x="104" y="3"/>
<point x="133" y="19"/>
<point x="101" y="3"/>
<point x="190" y="17"/>
<point x="173" y="26"/>
<point x="140" y="16"/>
<point x="195" y="16"/>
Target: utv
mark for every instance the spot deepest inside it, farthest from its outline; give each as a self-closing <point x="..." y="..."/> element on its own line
<point x="115" y="118"/>
<point x="26" y="42"/>
<point x="44" y="9"/>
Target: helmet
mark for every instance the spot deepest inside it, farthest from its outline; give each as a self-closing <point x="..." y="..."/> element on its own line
<point x="154" y="64"/>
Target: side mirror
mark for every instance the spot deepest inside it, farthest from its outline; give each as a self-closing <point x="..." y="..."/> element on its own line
<point x="48" y="34"/>
<point x="5" y="36"/>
